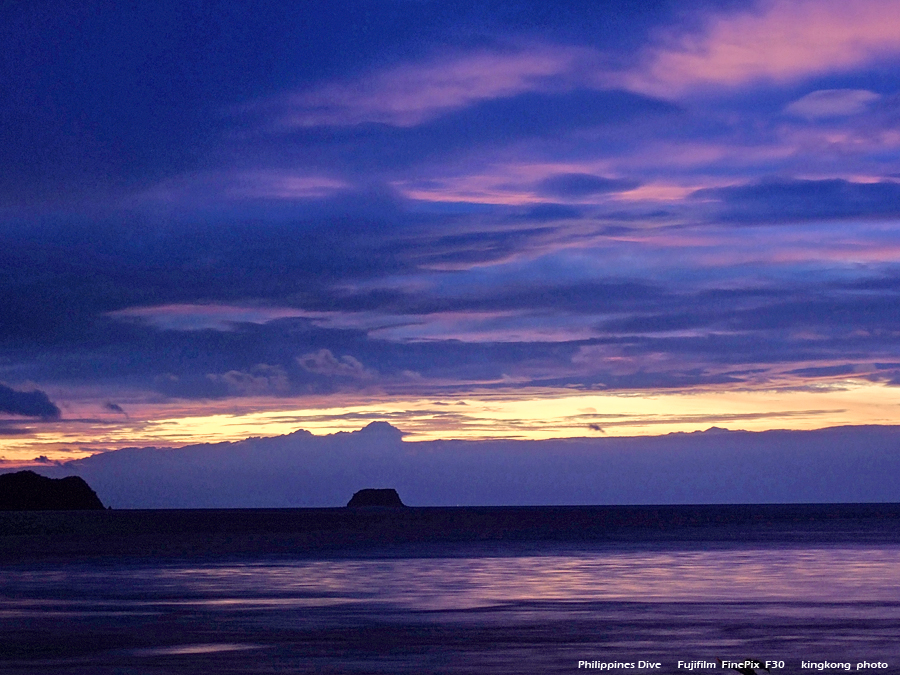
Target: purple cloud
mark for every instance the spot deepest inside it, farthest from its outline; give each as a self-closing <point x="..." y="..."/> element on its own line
<point x="323" y="362"/>
<point x="412" y="93"/>
<point x="27" y="403"/>
<point x="583" y="185"/>
<point x="843" y="464"/>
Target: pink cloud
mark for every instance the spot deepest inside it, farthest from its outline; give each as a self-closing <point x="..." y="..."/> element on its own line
<point x="203" y="317"/>
<point x="283" y="185"/>
<point x="835" y="150"/>
<point x="780" y="41"/>
<point x="323" y="362"/>
<point x="414" y="92"/>
<point x="510" y="183"/>
<point x="616" y="360"/>
<point x="827" y="103"/>
<point x="261" y="380"/>
<point x="214" y="187"/>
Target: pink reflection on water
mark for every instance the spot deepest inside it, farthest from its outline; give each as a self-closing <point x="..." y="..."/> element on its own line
<point x="754" y="575"/>
<point x="181" y="650"/>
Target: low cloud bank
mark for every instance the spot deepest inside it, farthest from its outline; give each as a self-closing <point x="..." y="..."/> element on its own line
<point x="843" y="464"/>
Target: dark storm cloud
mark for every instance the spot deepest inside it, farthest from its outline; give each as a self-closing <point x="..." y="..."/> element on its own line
<point x="583" y="185"/>
<point x="27" y="403"/>
<point x="799" y="200"/>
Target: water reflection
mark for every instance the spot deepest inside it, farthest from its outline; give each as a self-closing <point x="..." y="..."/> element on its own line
<point x="181" y="650"/>
<point x="784" y="575"/>
<point x="451" y="614"/>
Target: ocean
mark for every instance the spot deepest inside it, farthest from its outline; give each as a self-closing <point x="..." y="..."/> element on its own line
<point x="466" y="590"/>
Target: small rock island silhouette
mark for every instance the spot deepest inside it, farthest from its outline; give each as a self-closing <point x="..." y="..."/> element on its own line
<point x="28" y="491"/>
<point x="375" y="497"/>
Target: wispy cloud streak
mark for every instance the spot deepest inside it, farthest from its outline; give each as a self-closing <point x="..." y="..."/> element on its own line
<point x="775" y="41"/>
<point x="412" y="93"/>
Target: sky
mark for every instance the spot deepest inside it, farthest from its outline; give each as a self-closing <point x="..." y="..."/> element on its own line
<point x="504" y="220"/>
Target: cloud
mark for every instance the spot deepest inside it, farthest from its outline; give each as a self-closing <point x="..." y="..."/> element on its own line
<point x="828" y="103"/>
<point x="323" y="362"/>
<point x="191" y="317"/>
<point x="778" y="41"/>
<point x="27" y="403"/>
<point x="850" y="464"/>
<point x="505" y="300"/>
<point x="536" y="114"/>
<point x="115" y="407"/>
<point x="825" y="371"/>
<point x="460" y="300"/>
<point x="542" y="213"/>
<point x="583" y="185"/>
<point x="461" y="136"/>
<point x="411" y="93"/>
<point x="788" y="200"/>
<point x="10" y="428"/>
<point x="223" y="187"/>
<point x="261" y="380"/>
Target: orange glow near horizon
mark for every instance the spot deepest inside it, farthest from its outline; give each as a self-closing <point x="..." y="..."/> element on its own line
<point x="529" y="415"/>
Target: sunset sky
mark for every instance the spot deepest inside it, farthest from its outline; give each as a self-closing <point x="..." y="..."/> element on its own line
<point x="513" y="219"/>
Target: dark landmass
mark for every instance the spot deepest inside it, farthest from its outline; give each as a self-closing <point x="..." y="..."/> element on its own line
<point x="844" y="464"/>
<point x="28" y="491"/>
<point x="375" y="497"/>
<point x="425" y="531"/>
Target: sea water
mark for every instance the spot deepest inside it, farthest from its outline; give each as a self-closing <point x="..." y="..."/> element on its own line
<point x="461" y="607"/>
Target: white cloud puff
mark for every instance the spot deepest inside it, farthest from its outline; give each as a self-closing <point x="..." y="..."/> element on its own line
<point x="828" y="103"/>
